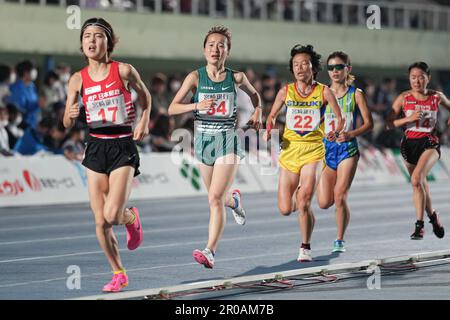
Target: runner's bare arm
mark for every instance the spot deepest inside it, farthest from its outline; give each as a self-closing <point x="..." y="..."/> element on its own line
<point x="129" y="74"/>
<point x="178" y="107"/>
<point x="331" y="100"/>
<point x="392" y="120"/>
<point x="242" y="82"/>
<point x="367" y="125"/>
<point x="443" y="100"/>
<point x="276" y="107"/>
<point x="72" y="110"/>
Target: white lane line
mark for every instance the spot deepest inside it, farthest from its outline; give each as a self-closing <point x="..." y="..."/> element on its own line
<point x="260" y="220"/>
<point x="243" y="238"/>
<point x="197" y="202"/>
<point x="257" y="221"/>
<point x="31" y="282"/>
<point x="355" y="205"/>
<point x="222" y="260"/>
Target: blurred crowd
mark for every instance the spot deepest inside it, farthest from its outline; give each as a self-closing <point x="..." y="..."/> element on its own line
<point x="270" y="9"/>
<point x="32" y="108"/>
<point x="254" y="8"/>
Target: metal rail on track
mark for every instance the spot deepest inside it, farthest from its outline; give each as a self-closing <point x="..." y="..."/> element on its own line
<point x="416" y="259"/>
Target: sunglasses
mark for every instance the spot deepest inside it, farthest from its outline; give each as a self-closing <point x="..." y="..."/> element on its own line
<point x="338" y="67"/>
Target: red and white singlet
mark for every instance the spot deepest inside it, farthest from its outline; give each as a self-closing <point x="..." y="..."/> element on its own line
<point x="425" y="126"/>
<point x="110" y="111"/>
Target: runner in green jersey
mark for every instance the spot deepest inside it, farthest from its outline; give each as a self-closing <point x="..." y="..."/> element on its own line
<point x="216" y="145"/>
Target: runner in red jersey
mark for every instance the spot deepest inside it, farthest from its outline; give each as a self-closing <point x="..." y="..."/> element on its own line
<point x="111" y="156"/>
<point x="420" y="146"/>
<point x="109" y="109"/>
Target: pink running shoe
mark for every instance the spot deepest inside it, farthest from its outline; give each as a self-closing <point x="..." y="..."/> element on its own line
<point x="135" y="234"/>
<point x="204" y="257"/>
<point x="118" y="282"/>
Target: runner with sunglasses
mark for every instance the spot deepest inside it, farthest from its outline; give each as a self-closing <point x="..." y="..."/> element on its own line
<point x="341" y="153"/>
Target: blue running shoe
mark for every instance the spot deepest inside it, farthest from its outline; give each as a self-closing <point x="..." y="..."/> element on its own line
<point x="339" y="246"/>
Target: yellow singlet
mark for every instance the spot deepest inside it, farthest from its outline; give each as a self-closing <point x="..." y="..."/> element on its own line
<point x="303" y="132"/>
<point x="304" y="115"/>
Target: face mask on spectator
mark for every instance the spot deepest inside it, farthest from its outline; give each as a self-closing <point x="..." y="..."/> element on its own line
<point x="3" y="123"/>
<point x="175" y="85"/>
<point x="12" y="77"/>
<point x="33" y="74"/>
<point x="18" y="120"/>
<point x="56" y="85"/>
<point x="64" y="77"/>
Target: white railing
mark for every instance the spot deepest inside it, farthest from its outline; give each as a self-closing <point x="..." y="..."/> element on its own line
<point x="401" y="14"/>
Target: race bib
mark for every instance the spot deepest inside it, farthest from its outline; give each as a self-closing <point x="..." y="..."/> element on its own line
<point x="222" y="108"/>
<point x="425" y="124"/>
<point x="331" y="122"/>
<point x="302" y="119"/>
<point x="107" y="112"/>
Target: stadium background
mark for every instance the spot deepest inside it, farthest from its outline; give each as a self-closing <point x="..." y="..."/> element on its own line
<point x="163" y="40"/>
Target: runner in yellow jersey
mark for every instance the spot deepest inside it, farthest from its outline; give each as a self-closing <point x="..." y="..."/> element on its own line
<point x="302" y="147"/>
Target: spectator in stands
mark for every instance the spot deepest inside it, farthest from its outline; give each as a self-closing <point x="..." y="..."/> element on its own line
<point x="270" y="86"/>
<point x="6" y="78"/>
<point x="63" y="71"/>
<point x="383" y="100"/>
<point x="288" y="10"/>
<point x="369" y="89"/>
<point x="53" y="92"/>
<point x="4" y="142"/>
<point x="32" y="141"/>
<point x="55" y="139"/>
<point x="160" y="102"/>
<point x="164" y="87"/>
<point x="158" y="90"/>
<point x="160" y="134"/>
<point x="58" y="111"/>
<point x="74" y="147"/>
<point x="385" y="96"/>
<point x="185" y="6"/>
<point x="24" y="94"/>
<point x="15" y="132"/>
<point x="174" y="84"/>
<point x="221" y="8"/>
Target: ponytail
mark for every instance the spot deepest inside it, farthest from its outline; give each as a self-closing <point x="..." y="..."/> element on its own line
<point x="350" y="79"/>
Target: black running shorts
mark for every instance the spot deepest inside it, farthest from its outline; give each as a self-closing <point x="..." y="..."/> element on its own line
<point x="106" y="155"/>
<point x="412" y="149"/>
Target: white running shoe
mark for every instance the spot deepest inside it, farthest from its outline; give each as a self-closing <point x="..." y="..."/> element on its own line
<point x="304" y="255"/>
<point x="238" y="211"/>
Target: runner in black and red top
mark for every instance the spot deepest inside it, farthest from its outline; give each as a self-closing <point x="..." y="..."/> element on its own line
<point x="111" y="156"/>
<point x="420" y="146"/>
